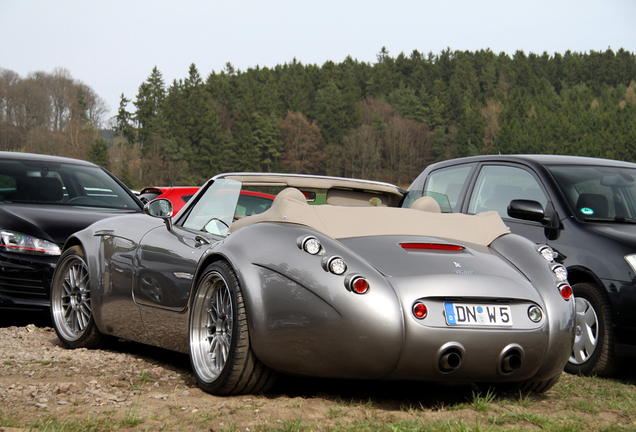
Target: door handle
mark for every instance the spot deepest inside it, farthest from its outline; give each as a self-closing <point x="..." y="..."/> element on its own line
<point x="201" y="240"/>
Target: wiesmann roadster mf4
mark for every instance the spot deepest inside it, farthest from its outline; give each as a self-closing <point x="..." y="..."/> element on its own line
<point x="330" y="281"/>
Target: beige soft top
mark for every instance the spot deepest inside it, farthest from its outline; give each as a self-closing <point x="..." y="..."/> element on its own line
<point x="344" y="222"/>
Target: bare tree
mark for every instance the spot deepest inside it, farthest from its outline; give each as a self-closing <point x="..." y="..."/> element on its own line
<point x="361" y="153"/>
<point x="302" y="145"/>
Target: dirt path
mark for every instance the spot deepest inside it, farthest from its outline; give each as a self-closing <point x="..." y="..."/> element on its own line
<point x="129" y="386"/>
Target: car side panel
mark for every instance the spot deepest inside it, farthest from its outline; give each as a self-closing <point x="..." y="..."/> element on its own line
<point x="301" y="317"/>
<point x="110" y="247"/>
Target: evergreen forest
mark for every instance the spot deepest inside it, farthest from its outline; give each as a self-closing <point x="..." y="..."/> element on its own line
<point x="383" y="121"/>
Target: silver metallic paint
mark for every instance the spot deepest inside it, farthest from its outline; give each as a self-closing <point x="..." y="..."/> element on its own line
<point x="303" y="320"/>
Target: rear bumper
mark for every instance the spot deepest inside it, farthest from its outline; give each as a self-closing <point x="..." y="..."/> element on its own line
<point x="435" y="351"/>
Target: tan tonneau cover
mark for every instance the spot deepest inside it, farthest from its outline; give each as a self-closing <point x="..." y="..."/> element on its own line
<point x="344" y="222"/>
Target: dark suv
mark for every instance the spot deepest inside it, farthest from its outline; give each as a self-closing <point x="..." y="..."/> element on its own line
<point x="585" y="209"/>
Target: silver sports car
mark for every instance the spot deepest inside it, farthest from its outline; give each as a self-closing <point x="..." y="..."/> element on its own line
<point x="328" y="280"/>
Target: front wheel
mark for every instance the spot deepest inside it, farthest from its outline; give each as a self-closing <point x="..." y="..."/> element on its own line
<point x="71" y="307"/>
<point x="220" y="352"/>
<point x="593" y="350"/>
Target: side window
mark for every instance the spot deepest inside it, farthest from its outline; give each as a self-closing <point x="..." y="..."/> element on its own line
<point x="497" y="185"/>
<point x="8" y="187"/>
<point x="447" y="184"/>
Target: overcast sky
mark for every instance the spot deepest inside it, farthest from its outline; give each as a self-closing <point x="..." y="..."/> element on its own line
<point x="112" y="45"/>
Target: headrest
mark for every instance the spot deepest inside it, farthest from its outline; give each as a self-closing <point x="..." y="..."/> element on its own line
<point x="290" y="193"/>
<point x="426" y="203"/>
<point x="46" y="189"/>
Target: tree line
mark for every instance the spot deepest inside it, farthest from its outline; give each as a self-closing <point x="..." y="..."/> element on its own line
<point x="385" y="120"/>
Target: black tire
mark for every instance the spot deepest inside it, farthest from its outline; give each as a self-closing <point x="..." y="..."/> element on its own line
<point x="593" y="351"/>
<point x="529" y="386"/>
<point x="220" y="352"/>
<point x="539" y="386"/>
<point x="71" y="308"/>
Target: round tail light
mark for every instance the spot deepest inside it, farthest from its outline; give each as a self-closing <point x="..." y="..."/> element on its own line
<point x="359" y="285"/>
<point x="566" y="291"/>
<point x="419" y="310"/>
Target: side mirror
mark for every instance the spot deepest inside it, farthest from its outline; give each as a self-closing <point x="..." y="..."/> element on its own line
<point x="160" y="208"/>
<point x="526" y="210"/>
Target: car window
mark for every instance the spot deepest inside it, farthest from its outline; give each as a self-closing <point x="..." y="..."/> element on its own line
<point x="497" y="185"/>
<point x="597" y="192"/>
<point x="444" y="185"/>
<point x="44" y="183"/>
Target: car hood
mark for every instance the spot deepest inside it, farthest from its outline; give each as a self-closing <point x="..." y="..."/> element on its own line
<point x="52" y="223"/>
<point x="624" y="233"/>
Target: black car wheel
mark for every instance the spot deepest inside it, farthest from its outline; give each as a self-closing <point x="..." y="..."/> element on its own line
<point x="593" y="350"/>
<point x="220" y="352"/>
<point x="71" y="307"/>
<point x="530" y="386"/>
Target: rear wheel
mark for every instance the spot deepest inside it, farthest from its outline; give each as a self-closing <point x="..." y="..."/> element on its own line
<point x="529" y="386"/>
<point x="220" y="351"/>
<point x="71" y="307"/>
<point x="593" y="350"/>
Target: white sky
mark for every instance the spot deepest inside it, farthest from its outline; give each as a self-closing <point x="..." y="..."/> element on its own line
<point x="112" y="45"/>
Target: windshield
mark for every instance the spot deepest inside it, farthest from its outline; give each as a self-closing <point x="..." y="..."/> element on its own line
<point x="46" y="183"/>
<point x="598" y="192"/>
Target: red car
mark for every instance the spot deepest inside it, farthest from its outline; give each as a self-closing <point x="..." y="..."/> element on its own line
<point x="178" y="195"/>
<point x="250" y="202"/>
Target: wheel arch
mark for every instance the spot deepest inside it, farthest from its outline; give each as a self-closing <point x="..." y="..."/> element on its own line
<point x="578" y="274"/>
<point x="217" y="256"/>
<point x="72" y="241"/>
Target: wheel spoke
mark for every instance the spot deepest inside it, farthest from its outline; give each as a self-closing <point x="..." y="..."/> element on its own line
<point x="72" y="305"/>
<point x="211" y="336"/>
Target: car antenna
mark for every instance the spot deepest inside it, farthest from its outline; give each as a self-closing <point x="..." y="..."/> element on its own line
<point x="170" y="180"/>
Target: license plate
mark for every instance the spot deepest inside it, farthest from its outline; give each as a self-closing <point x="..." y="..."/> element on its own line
<point x="481" y="315"/>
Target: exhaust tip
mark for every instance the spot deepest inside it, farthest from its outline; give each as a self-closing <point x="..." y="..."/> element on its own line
<point x="511" y="363"/>
<point x="511" y="359"/>
<point x="450" y="360"/>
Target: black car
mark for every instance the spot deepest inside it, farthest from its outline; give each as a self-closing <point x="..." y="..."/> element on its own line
<point x="43" y="200"/>
<point x="585" y="210"/>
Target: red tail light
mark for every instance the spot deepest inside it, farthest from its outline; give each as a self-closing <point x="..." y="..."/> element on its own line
<point x="360" y="285"/>
<point x="432" y="246"/>
<point x="566" y="291"/>
<point x="419" y="310"/>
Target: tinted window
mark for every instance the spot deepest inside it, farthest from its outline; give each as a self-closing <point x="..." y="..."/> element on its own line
<point x="497" y="185"/>
<point x="596" y="192"/>
<point x="61" y="184"/>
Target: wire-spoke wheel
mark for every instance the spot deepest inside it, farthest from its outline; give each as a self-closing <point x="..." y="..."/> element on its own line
<point x="71" y="307"/>
<point x="593" y="349"/>
<point x="220" y="352"/>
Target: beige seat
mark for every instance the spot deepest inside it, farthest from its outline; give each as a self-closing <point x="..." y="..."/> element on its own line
<point x="426" y="203"/>
<point x="292" y="194"/>
<point x="286" y="195"/>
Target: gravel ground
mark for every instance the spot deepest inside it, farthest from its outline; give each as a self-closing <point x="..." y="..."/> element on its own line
<point x="133" y="386"/>
<point x="129" y="386"/>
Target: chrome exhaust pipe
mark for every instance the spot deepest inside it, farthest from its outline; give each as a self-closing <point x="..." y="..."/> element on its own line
<point x="450" y="361"/>
<point x="511" y="362"/>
